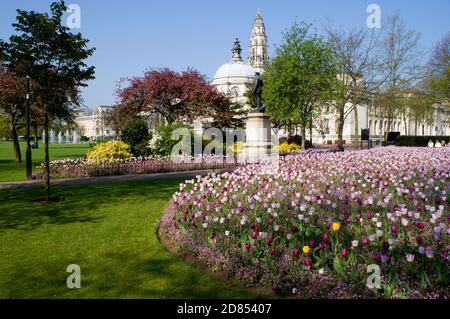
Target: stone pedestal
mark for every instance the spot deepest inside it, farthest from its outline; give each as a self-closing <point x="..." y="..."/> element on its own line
<point x="258" y="134"/>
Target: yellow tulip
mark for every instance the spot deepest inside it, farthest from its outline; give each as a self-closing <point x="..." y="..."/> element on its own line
<point x="336" y="227"/>
<point x="306" y="250"/>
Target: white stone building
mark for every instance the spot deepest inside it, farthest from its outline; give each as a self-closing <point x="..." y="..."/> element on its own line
<point x="92" y="123"/>
<point x="233" y="77"/>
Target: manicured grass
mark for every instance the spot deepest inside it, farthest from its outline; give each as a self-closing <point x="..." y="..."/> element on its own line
<point x="106" y="229"/>
<point x="12" y="171"/>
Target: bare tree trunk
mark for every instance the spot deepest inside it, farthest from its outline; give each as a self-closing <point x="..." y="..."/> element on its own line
<point x="355" y="112"/>
<point x="303" y="129"/>
<point x="47" y="158"/>
<point x="341" y="130"/>
<point x="310" y="132"/>
<point x="16" y="144"/>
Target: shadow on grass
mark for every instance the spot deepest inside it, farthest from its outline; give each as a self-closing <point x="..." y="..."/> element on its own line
<point x="19" y="209"/>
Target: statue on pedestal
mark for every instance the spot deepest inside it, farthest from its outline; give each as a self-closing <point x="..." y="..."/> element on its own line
<point x="257" y="92"/>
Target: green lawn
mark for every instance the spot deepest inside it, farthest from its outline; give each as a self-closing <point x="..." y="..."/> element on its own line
<point x="12" y="171"/>
<point x="109" y="231"/>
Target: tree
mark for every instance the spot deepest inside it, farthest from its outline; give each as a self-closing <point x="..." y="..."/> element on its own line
<point x="12" y="105"/>
<point x="176" y="96"/>
<point x="43" y="48"/>
<point x="299" y="77"/>
<point x="136" y="135"/>
<point x="357" y="75"/>
<point x="228" y="115"/>
<point x="400" y="62"/>
<point x="438" y="68"/>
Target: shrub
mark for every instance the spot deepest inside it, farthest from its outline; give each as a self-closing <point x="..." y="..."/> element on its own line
<point x="162" y="143"/>
<point x="237" y="148"/>
<point x="109" y="151"/>
<point x="420" y="141"/>
<point x="136" y="135"/>
<point x="286" y="148"/>
<point x="99" y="140"/>
<point x="295" y="139"/>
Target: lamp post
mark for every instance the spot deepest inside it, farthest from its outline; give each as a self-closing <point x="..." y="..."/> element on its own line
<point x="28" y="152"/>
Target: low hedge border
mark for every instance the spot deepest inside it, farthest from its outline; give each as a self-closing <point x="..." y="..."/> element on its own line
<point x="420" y="141"/>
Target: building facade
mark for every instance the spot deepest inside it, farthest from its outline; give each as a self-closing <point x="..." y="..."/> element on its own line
<point x="92" y="123"/>
<point x="234" y="77"/>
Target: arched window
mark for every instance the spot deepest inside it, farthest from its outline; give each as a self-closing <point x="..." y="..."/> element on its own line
<point x="234" y="92"/>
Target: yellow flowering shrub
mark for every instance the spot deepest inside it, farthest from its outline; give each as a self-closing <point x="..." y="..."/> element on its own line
<point x="237" y="148"/>
<point x="109" y="151"/>
<point x="285" y="148"/>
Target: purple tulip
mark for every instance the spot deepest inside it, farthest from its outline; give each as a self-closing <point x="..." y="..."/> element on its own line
<point x="419" y="239"/>
<point x="296" y="252"/>
<point x="273" y="251"/>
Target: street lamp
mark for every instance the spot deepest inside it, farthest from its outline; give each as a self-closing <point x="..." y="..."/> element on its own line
<point x="28" y="152"/>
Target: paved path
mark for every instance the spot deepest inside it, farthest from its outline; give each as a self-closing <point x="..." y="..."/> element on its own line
<point x="107" y="179"/>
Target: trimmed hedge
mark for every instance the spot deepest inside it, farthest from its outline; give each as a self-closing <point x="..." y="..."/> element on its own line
<point x="420" y="141"/>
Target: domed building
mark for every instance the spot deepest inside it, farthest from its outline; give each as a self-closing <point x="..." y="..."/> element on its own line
<point x="233" y="76"/>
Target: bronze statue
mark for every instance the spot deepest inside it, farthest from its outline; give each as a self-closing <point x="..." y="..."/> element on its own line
<point x="257" y="92"/>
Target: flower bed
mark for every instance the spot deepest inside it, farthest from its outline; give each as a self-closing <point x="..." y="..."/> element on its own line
<point x="313" y="228"/>
<point x="82" y="167"/>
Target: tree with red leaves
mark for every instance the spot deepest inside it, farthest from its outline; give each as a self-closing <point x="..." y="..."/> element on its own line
<point x="178" y="97"/>
<point x="12" y="105"/>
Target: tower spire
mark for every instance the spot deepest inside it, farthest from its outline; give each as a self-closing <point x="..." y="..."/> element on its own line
<point x="258" y="48"/>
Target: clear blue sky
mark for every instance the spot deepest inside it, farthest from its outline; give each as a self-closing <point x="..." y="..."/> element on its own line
<point x="133" y="35"/>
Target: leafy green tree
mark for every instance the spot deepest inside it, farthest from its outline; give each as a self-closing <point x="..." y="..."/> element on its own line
<point x="46" y="50"/>
<point x="249" y="95"/>
<point x="299" y="77"/>
<point x="162" y="143"/>
<point x="136" y="135"/>
<point x="228" y="115"/>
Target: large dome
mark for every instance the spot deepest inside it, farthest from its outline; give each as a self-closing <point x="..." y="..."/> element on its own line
<point x="233" y="77"/>
<point x="235" y="69"/>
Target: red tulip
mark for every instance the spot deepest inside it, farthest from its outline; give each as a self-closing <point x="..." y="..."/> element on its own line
<point x="296" y="252"/>
<point x="307" y="262"/>
<point x="248" y="245"/>
<point x="344" y="252"/>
